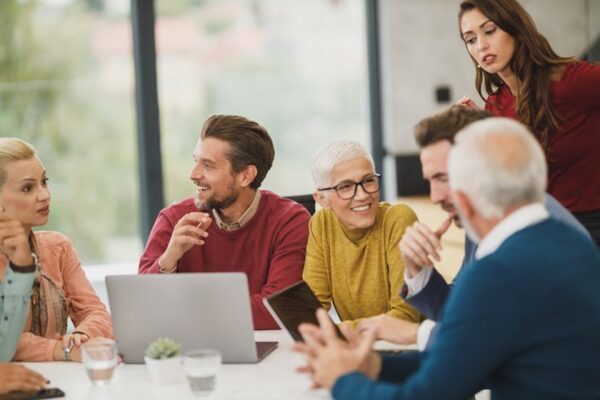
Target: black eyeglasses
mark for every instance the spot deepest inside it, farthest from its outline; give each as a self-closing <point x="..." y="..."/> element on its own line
<point x="346" y="190"/>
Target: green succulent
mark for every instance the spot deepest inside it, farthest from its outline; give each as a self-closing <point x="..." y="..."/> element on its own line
<point x="163" y="348"/>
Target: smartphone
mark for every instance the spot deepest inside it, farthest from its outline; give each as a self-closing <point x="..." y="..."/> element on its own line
<point x="293" y="306"/>
<point x="49" y="393"/>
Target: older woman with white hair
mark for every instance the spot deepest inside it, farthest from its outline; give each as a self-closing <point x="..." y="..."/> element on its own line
<point x="352" y="258"/>
<point x="522" y="320"/>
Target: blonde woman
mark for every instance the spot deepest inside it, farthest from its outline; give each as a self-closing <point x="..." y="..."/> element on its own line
<point x="60" y="289"/>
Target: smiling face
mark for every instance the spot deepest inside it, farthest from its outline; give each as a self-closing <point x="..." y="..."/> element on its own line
<point x="25" y="195"/>
<point x="360" y="211"/>
<point x="216" y="184"/>
<point x="491" y="47"/>
<point x="434" y="161"/>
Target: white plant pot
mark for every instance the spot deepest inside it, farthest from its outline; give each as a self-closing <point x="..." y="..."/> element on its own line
<point x="167" y="371"/>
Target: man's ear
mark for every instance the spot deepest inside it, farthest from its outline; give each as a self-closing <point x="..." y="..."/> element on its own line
<point x="246" y="176"/>
<point x="464" y="203"/>
<point x="320" y="198"/>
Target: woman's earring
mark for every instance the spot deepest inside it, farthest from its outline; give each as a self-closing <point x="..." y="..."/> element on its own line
<point x="479" y="66"/>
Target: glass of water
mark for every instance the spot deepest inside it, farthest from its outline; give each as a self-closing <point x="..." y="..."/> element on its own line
<point x="201" y="367"/>
<point x="99" y="357"/>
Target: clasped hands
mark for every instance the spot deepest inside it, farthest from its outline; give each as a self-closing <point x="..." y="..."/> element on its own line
<point x="328" y="357"/>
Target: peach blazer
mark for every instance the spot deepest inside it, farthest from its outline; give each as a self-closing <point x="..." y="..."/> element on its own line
<point x="59" y="261"/>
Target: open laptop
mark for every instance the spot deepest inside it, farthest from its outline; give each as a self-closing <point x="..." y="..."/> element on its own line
<point x="198" y="310"/>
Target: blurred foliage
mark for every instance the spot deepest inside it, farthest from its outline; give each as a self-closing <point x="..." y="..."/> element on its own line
<point x="52" y="95"/>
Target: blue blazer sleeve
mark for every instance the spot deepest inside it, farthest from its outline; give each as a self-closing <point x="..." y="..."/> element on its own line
<point x="431" y="299"/>
<point x="491" y="320"/>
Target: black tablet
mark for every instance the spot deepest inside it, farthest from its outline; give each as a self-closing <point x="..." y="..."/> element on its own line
<point x="293" y="306"/>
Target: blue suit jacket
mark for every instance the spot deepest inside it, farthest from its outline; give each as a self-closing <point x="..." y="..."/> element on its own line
<point x="432" y="298"/>
<point x="533" y="332"/>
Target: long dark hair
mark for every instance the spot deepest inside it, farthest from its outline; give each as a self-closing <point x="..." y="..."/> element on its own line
<point x="534" y="62"/>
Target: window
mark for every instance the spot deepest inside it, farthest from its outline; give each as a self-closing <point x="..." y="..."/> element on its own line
<point x="67" y="87"/>
<point x="299" y="68"/>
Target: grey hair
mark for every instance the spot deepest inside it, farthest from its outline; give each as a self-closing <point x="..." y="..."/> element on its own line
<point x="332" y="154"/>
<point x="498" y="164"/>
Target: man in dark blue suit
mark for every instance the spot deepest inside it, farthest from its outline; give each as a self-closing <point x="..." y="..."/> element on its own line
<point x="425" y="288"/>
<point x="522" y="320"/>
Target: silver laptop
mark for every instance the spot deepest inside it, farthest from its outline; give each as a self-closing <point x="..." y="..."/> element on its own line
<point x="199" y="310"/>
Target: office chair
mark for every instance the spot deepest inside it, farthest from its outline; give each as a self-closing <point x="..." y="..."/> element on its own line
<point x="306" y="200"/>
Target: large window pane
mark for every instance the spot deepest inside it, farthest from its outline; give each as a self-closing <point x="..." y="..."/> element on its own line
<point x="297" y="67"/>
<point x="66" y="85"/>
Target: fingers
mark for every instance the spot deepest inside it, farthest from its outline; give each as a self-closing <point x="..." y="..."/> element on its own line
<point x="16" y="377"/>
<point x="14" y="240"/>
<point x="418" y="243"/>
<point x="467" y="102"/>
<point x="327" y="326"/>
<point x="312" y="342"/>
<point x="365" y="343"/>
<point x="463" y="101"/>
<point x="79" y="338"/>
<point x="195" y="218"/>
<point x="351" y="334"/>
<point x="313" y="330"/>
<point x="190" y="230"/>
<point x="444" y="227"/>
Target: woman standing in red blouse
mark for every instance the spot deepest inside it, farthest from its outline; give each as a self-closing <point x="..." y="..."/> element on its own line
<point x="557" y="97"/>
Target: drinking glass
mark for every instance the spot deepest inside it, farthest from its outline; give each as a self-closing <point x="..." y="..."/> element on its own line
<point x="99" y="357"/>
<point x="201" y="367"/>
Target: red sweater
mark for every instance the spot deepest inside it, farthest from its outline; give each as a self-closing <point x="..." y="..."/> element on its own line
<point x="270" y="248"/>
<point x="574" y="153"/>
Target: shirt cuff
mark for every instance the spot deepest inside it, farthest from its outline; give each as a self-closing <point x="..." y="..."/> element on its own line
<point x="423" y="333"/>
<point x="417" y="282"/>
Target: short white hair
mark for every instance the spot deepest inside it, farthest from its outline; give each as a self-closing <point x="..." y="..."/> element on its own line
<point x="498" y="164"/>
<point x="332" y="154"/>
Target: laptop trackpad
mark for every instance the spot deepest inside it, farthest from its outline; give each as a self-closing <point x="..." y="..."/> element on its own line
<point x="264" y="348"/>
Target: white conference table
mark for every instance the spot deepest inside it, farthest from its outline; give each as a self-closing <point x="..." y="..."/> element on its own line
<point x="272" y="378"/>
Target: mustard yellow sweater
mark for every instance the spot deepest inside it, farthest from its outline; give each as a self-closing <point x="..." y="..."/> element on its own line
<point x="360" y="271"/>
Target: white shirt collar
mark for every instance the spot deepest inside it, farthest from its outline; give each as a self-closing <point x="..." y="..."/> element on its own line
<point x="519" y="219"/>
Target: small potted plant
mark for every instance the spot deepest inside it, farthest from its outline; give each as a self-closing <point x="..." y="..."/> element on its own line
<point x="163" y="358"/>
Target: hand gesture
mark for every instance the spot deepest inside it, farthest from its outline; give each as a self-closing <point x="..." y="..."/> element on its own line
<point x="14" y="240"/>
<point x="189" y="231"/>
<point x="419" y="246"/>
<point x="329" y="357"/>
<point x="467" y="102"/>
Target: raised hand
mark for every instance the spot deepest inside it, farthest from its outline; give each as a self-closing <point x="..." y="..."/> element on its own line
<point x="420" y="246"/>
<point x="467" y="102"/>
<point x="14" y="240"/>
<point x="189" y="231"/>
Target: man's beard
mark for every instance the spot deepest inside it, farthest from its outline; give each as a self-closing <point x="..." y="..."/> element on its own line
<point x="213" y="203"/>
<point x="466" y="224"/>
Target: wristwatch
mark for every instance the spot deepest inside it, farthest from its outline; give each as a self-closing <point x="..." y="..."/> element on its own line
<point x="67" y="351"/>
